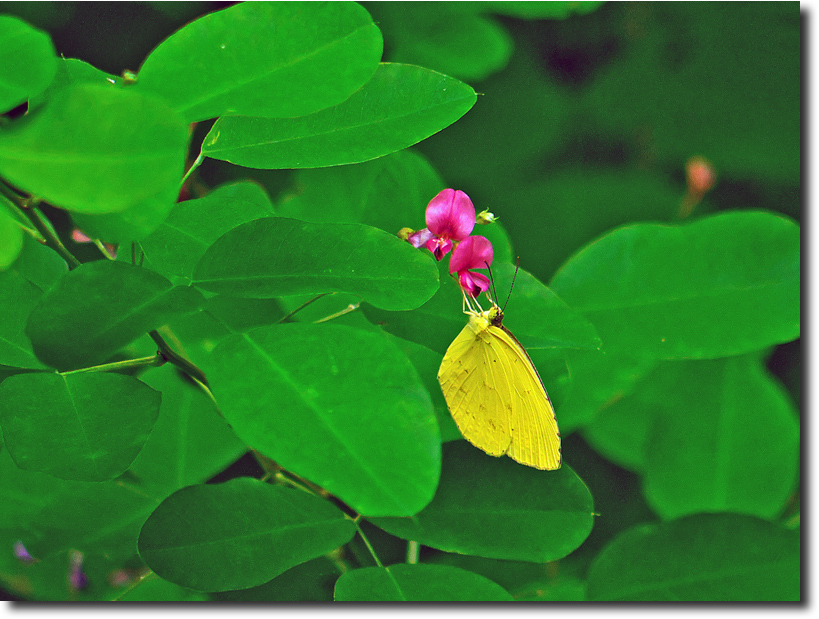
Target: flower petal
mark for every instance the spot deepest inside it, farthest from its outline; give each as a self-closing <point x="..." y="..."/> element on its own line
<point x="439" y="247"/>
<point x="420" y="238"/>
<point x="473" y="283"/>
<point x="472" y="253"/>
<point x="451" y="214"/>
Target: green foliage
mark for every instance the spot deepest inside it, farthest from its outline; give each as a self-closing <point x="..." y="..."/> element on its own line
<point x="236" y="210"/>
<point x="238" y="534"/>
<point x="737" y="558"/>
<point x="417" y="583"/>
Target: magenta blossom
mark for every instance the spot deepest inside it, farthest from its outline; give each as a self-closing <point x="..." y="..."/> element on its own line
<point x="473" y="253"/>
<point x="450" y="218"/>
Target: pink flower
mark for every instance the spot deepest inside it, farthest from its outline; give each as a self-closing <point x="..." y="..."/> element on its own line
<point x="473" y="253"/>
<point x="450" y="217"/>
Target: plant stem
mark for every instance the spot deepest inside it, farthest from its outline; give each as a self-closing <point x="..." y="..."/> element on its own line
<point x="153" y="360"/>
<point x="287" y="317"/>
<point x="366" y="541"/>
<point x="51" y="238"/>
<point x="413" y="550"/>
<point x="179" y="361"/>
<point x="350" y="308"/>
<point x="196" y="163"/>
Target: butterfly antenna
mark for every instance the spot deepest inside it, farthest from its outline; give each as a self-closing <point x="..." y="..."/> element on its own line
<point x="491" y="281"/>
<point x="517" y="266"/>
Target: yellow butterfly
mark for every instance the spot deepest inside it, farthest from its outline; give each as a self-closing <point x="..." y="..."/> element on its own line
<point x="495" y="394"/>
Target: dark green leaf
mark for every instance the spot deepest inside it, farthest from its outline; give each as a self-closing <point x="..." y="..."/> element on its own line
<point x="87" y="426"/>
<point x="350" y="395"/>
<point x="11" y="238"/>
<point x="399" y="106"/>
<point x="73" y="71"/>
<point x="100" y="307"/>
<point x="725" y="438"/>
<point x="39" y="264"/>
<point x="700" y="290"/>
<point x="17" y="298"/>
<point x="417" y="583"/>
<point x="278" y="59"/>
<point x="53" y="515"/>
<point x="96" y="149"/>
<point x="735" y="559"/>
<point x="497" y="508"/>
<point x="152" y="588"/>
<point x="238" y="534"/>
<point x="132" y="224"/>
<point x="277" y="256"/>
<point x="190" y="442"/>
<point x="307" y="582"/>
<point x="539" y="10"/>
<point x="193" y="225"/>
<point x="27" y="61"/>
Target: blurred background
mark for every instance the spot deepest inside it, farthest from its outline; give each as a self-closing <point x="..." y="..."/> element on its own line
<point x="587" y="116"/>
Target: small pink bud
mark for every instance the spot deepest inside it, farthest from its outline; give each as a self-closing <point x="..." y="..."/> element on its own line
<point x="420" y="238"/>
<point x="21" y="553"/>
<point x="700" y="175"/>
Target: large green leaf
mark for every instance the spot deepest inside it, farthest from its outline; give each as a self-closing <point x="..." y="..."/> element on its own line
<point x="52" y="515"/>
<point x="27" y="61"/>
<point x="723" y="285"/>
<point x="497" y="508"/>
<point x="238" y="534"/>
<point x="100" y="307"/>
<point x="399" y="106"/>
<point x="340" y="406"/>
<point x="96" y="149"/>
<point x="193" y="225"/>
<point x="311" y="581"/>
<point x="417" y="583"/>
<point x="17" y="298"/>
<point x="285" y="257"/>
<point x="87" y="426"/>
<point x="702" y="558"/>
<point x="190" y="442"/>
<point x="278" y="59"/>
<point x="726" y="439"/>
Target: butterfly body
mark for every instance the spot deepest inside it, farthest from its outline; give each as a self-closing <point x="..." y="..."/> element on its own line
<point x="495" y="394"/>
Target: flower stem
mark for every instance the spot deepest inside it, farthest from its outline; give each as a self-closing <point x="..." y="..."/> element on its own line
<point x="50" y="236"/>
<point x="350" y="308"/>
<point x="413" y="549"/>
<point x="152" y="361"/>
<point x="287" y="317"/>
<point x="196" y="163"/>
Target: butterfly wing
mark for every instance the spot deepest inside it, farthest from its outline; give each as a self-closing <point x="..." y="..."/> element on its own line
<point x="474" y="393"/>
<point x="534" y="432"/>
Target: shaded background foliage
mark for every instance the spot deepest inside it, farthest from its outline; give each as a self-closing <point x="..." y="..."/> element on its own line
<point x="583" y="123"/>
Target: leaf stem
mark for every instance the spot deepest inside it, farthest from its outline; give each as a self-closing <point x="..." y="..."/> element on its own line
<point x="413" y="550"/>
<point x="178" y="360"/>
<point x="154" y="360"/>
<point x="350" y="308"/>
<point x="366" y="541"/>
<point x="196" y="163"/>
<point x="29" y="207"/>
<point x="287" y="317"/>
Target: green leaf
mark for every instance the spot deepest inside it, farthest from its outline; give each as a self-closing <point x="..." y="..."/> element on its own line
<point x="307" y="582"/>
<point x="726" y="439"/>
<point x="238" y="534"/>
<point x="190" y="442"/>
<point x="497" y="508"/>
<point x="417" y="583"/>
<point x="175" y="247"/>
<point x="152" y="588"/>
<point x="736" y="559"/>
<point x="278" y="59"/>
<point x="723" y="285"/>
<point x="100" y="307"/>
<point x="132" y="224"/>
<point x="39" y="264"/>
<point x="73" y="71"/>
<point x="87" y="427"/>
<point x="17" y="298"/>
<point x="539" y="10"/>
<point x="277" y="256"/>
<point x="27" y="61"/>
<point x="439" y="36"/>
<point x="11" y="238"/>
<point x="350" y="395"/>
<point x="96" y="149"/>
<point x="360" y="193"/>
<point x="399" y="106"/>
